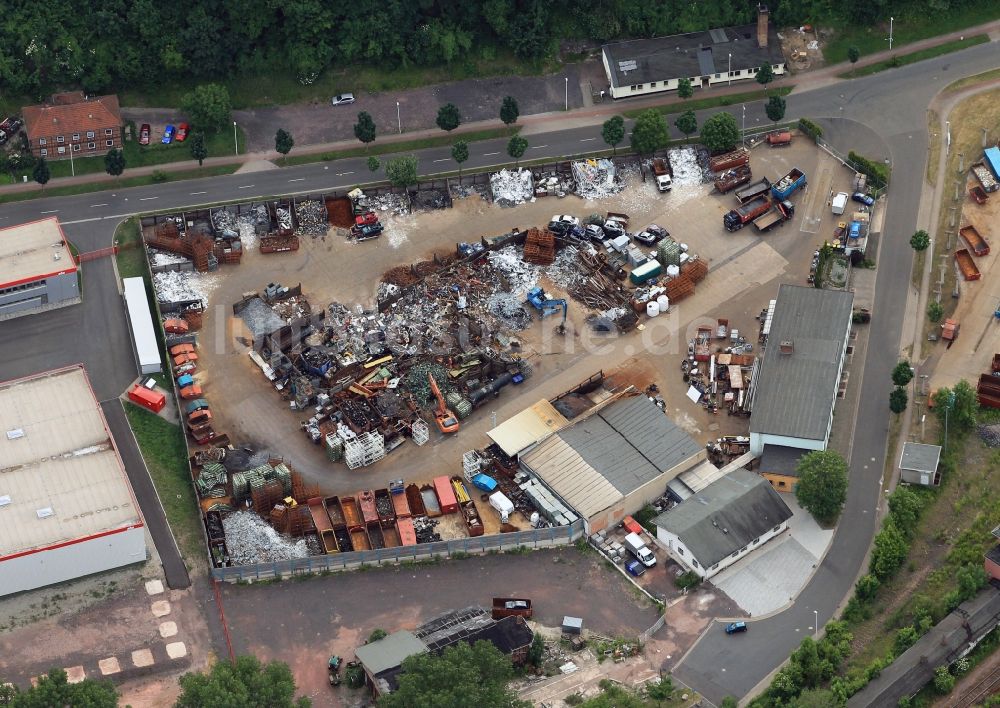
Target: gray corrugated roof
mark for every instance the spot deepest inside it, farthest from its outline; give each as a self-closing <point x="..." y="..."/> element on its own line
<point x="942" y="645"/>
<point x="680" y="55"/>
<point x="919" y="457"/>
<point x="389" y="652"/>
<point x="630" y="442"/>
<point x="796" y="392"/>
<point x="780" y="459"/>
<point x="726" y="516"/>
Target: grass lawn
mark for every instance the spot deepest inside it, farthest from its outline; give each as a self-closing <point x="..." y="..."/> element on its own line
<point x="870" y="39"/>
<point x="280" y="88"/>
<point x="377" y="148"/>
<point x="698" y="104"/>
<point x="162" y="446"/>
<point x="131" y="260"/>
<point x="912" y="57"/>
<point x="972" y="80"/>
<point x="933" y="145"/>
<point x="122" y="183"/>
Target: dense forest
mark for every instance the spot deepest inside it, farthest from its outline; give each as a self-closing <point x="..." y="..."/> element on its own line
<point x="110" y="45"/>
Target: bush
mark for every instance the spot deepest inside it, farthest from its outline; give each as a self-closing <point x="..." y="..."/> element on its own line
<point x="377" y="634"/>
<point x="810" y="129"/>
<point x="688" y="580"/>
<point x="159" y="176"/>
<point x="905" y="638"/>
<point x="866" y="587"/>
<point x="889" y="552"/>
<point x="877" y="172"/>
<point x="934" y="311"/>
<point x="943" y="680"/>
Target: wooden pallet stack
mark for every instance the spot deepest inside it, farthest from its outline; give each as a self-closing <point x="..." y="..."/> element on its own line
<point x="539" y="247"/>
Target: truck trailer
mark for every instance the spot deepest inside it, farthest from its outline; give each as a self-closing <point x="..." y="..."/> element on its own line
<point x="743" y="215"/>
<point x="663" y="172"/>
<point x="778" y="214"/>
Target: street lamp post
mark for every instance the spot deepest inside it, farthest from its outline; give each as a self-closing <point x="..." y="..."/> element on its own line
<point x="743" y="133"/>
<point x="815" y="623"/>
<point x="730" y="75"/>
<point x="236" y="143"/>
<point x="399" y="121"/>
<point x="567" y="93"/>
<point x="72" y="169"/>
<point x="891" y="19"/>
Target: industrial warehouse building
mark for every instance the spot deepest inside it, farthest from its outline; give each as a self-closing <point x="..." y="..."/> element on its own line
<point x="37" y="269"/>
<point x="66" y="506"/>
<point x="733" y="516"/>
<point x="614" y="461"/>
<point x="799" y="381"/>
<point x="720" y="56"/>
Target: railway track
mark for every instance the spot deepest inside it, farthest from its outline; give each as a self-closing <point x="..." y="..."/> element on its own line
<point x="988" y="686"/>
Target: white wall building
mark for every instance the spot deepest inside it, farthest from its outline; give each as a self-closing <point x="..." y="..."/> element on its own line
<point x="66" y="505"/>
<point x="641" y="67"/>
<point x="730" y="518"/>
<point x="37" y="269"/>
<point x="794" y="394"/>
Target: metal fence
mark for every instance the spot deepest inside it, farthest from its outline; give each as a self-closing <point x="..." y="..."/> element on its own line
<point x="532" y="539"/>
<point x="657" y="626"/>
<point x="844" y="160"/>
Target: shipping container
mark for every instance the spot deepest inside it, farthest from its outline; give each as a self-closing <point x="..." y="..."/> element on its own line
<point x="445" y="495"/>
<point x="151" y="400"/>
<point x="147" y="352"/>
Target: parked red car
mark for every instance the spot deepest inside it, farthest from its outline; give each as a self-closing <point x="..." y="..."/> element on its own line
<point x="144" y="134"/>
<point x="182" y="132"/>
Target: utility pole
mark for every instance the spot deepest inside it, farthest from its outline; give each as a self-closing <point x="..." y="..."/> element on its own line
<point x="891" y="19"/>
<point x="399" y="122"/>
<point x="730" y="68"/>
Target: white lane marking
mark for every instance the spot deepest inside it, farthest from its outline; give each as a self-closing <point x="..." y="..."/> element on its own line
<point x="93" y="206"/>
<point x="584" y="140"/>
<point x="487" y="154"/>
<point x="245" y="186"/>
<point x="341" y="174"/>
<point x="297" y="179"/>
<point x="539" y="147"/>
<point x="443" y="159"/>
<point x="146" y="199"/>
<point x="194" y="193"/>
<point x="51" y="211"/>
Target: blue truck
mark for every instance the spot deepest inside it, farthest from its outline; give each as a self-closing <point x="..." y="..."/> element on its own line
<point x="789" y="184"/>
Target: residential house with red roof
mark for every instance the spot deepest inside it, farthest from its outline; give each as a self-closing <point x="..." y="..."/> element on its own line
<point x="73" y="123"/>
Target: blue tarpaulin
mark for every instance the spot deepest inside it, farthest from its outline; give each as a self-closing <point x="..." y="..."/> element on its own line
<point x="484" y="482"/>
<point x="185" y="380"/>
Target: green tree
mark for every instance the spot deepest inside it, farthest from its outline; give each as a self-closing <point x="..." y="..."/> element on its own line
<point x="920" y="240"/>
<point x="684" y="88"/>
<point x="377" y="634"/>
<point x="114" y="162"/>
<point x="765" y="75"/>
<point x="209" y="107"/>
<point x="53" y="689"/>
<point x="943" y="680"/>
<point x="898" y="400"/>
<point x="364" y="129"/>
<point x="448" y="117"/>
<point x="720" y="133"/>
<point x="775" y="108"/>
<point x="536" y="652"/>
<point x="905" y="638"/>
<point x="509" y="111"/>
<point x="41" y="172"/>
<point x="462" y="676"/>
<point x="853" y="54"/>
<point x="614" y="695"/>
<point x="373" y="163"/>
<point x="902" y="374"/>
<point x="460" y="153"/>
<point x="866" y="587"/>
<point x="934" y="311"/>
<point x="662" y="690"/>
<point x="960" y="403"/>
<point x="402" y="171"/>
<point x="516" y="147"/>
<point x="905" y="506"/>
<point x="822" y="487"/>
<point x="889" y="551"/>
<point x="649" y="133"/>
<point x="817" y="698"/>
<point x="283" y="142"/>
<point x="198" y="149"/>
<point x="613" y="132"/>
<point x="247" y="683"/>
<point x="687" y="123"/>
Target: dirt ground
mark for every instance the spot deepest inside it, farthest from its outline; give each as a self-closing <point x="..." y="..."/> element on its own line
<point x="744" y="271"/>
<point x="334" y="615"/>
<point x="803" y="50"/>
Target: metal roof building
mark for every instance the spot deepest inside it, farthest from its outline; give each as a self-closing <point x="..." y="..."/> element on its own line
<point x="720" y="524"/>
<point x="800" y="376"/>
<point x="643" y="66"/>
<point x="918" y="464"/>
<point x="614" y="461"/>
<point x="66" y="505"/>
<point x="37" y="269"/>
<point x="527" y="427"/>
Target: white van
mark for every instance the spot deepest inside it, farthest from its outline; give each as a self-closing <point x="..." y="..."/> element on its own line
<point x="637" y="547"/>
<point x="840" y="203"/>
<point x="503" y="505"/>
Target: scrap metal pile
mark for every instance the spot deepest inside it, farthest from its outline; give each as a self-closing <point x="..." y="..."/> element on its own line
<point x="194" y="236"/>
<point x="596" y="178"/>
<point x="512" y="187"/>
<point x="719" y="369"/>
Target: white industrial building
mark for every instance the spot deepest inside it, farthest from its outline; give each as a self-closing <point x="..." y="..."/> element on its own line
<point x="66" y="506"/>
<point x="140" y="324"/>
<point x="612" y="461"/>
<point x="37" y="269"/>
<point x="800" y="378"/>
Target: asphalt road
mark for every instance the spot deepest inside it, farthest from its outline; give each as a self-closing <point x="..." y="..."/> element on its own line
<point x="883" y="115"/>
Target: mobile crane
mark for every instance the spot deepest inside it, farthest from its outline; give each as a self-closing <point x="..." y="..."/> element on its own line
<point x="445" y="419"/>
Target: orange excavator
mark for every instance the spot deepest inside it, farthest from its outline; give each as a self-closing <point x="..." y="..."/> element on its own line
<point x="445" y="419"/>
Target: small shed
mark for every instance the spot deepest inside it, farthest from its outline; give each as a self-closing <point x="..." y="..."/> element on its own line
<point x="918" y="464"/>
<point x="147" y="398"/>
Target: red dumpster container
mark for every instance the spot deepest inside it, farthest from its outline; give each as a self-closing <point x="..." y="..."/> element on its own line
<point x="631" y="525"/>
<point x="407" y="534"/>
<point x="445" y="494"/>
<point x="151" y="400"/>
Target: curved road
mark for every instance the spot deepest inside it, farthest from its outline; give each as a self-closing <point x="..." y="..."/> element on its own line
<point x="891" y="106"/>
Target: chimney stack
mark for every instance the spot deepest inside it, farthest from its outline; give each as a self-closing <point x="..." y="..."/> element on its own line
<point x="787" y="347"/>
<point x="762" y="26"/>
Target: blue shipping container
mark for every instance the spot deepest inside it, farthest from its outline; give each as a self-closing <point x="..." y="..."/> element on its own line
<point x="992" y="156"/>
